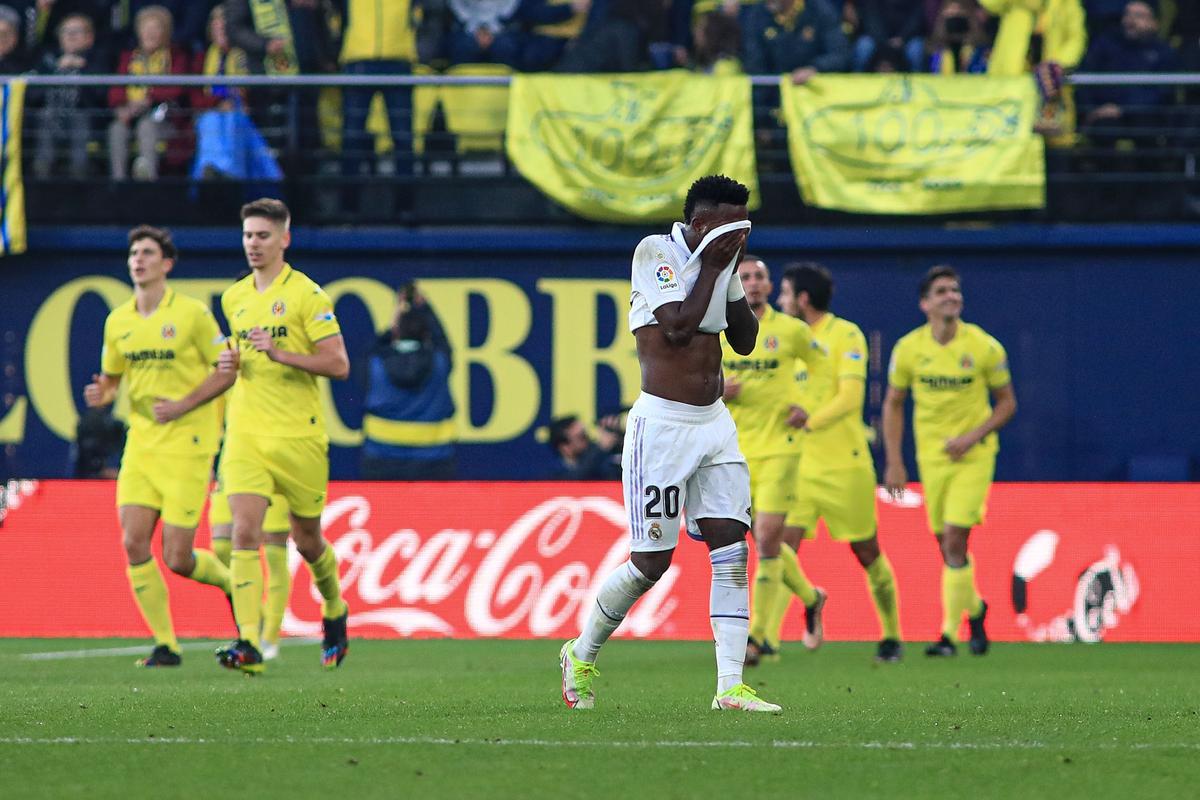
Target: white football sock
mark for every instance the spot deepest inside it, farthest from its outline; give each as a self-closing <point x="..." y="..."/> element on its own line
<point x="620" y="591"/>
<point x="729" y="610"/>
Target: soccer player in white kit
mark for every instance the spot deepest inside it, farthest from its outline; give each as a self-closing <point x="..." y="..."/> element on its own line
<point x="681" y="452"/>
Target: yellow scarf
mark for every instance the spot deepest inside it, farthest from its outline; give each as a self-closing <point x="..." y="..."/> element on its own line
<point x="156" y="63"/>
<point x="271" y="22"/>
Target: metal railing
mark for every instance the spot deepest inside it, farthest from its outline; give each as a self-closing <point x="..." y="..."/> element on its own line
<point x="1149" y="152"/>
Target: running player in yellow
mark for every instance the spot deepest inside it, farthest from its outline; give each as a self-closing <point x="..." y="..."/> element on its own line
<point x="275" y="439"/>
<point x="951" y="367"/>
<point x="837" y="476"/>
<point x="167" y="344"/>
<point x="276" y="526"/>
<point x="761" y="392"/>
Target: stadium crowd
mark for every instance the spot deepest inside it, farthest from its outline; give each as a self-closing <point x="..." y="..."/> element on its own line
<point x="800" y="37"/>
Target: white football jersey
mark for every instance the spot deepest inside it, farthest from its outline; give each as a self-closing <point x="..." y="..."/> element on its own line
<point x="664" y="271"/>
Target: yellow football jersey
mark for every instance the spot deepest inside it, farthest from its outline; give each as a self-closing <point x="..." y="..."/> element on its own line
<point x="167" y="354"/>
<point x="840" y="351"/>
<point x="769" y="385"/>
<point x="269" y="398"/>
<point x="950" y="386"/>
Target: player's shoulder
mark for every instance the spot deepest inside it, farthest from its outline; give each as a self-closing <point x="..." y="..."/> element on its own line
<point x="121" y="312"/>
<point x="238" y="288"/>
<point x="981" y="338"/>
<point x="191" y="305"/>
<point x="785" y="323"/>
<point x="845" y="329"/>
<point x="653" y="249"/>
<point x="299" y="284"/>
<point x="913" y="338"/>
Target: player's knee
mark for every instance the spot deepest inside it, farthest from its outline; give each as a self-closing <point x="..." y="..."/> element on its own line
<point x="180" y="562"/>
<point x="246" y="535"/>
<point x="652" y="565"/>
<point x="954" y="551"/>
<point x="137" y="547"/>
<point x="866" y="552"/>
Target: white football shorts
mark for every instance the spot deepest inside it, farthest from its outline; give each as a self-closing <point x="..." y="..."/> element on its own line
<point x="680" y="459"/>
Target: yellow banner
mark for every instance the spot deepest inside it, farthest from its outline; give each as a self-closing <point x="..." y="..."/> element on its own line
<point x="927" y="144"/>
<point x="625" y="148"/>
<point x="12" y="187"/>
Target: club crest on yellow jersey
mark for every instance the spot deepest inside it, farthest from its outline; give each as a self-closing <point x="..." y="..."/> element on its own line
<point x="168" y="331"/>
<point x="278" y="308"/>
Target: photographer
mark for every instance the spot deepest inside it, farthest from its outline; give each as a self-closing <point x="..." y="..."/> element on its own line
<point x="409" y="413"/>
<point x="583" y="459"/>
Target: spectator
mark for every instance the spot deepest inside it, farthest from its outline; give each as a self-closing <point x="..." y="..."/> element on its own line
<point x="12" y="56"/>
<point x="957" y="43"/>
<point x="190" y="21"/>
<point x="717" y="39"/>
<point x="408" y="419"/>
<point x="379" y="40"/>
<point x="487" y="31"/>
<point x="581" y="458"/>
<point x="1136" y="47"/>
<point x="898" y="24"/>
<point x="147" y="109"/>
<point x="617" y="40"/>
<point x="228" y="146"/>
<point x="1046" y="38"/>
<point x="547" y="41"/>
<point x="70" y="108"/>
<point x="99" y="441"/>
<point x="299" y="42"/>
<point x="43" y="18"/>
<point x="1032" y="32"/>
<point x="220" y="58"/>
<point x="802" y="37"/>
<point x="1104" y="16"/>
<point x="307" y="39"/>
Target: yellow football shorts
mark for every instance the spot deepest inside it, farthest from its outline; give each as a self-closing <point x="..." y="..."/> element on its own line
<point x="956" y="492"/>
<point x="296" y="468"/>
<point x="844" y="498"/>
<point x="277" y="513"/>
<point x="773" y="483"/>
<point x="174" y="485"/>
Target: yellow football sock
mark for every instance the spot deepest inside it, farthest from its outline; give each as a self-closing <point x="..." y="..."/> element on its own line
<point x="774" y="634"/>
<point x="882" y="583"/>
<point x="958" y="597"/>
<point x="976" y="603"/>
<point x="325" y="575"/>
<point x="279" y="590"/>
<point x="222" y="549"/>
<point x="768" y="583"/>
<point x="246" y="573"/>
<point x="794" y="577"/>
<point x="210" y="570"/>
<point x="150" y="594"/>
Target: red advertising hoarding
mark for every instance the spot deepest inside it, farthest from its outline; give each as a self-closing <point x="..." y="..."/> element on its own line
<point x="1055" y="561"/>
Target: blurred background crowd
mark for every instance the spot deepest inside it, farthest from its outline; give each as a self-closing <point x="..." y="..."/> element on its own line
<point x="143" y="131"/>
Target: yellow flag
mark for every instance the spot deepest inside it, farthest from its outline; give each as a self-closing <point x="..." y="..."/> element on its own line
<point x="12" y="187"/>
<point x="625" y="148"/>
<point x="915" y="144"/>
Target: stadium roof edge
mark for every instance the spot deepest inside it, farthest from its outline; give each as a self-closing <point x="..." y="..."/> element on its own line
<point x="604" y="240"/>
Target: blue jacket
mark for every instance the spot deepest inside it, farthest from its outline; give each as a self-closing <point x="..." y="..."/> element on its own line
<point x="409" y="412"/>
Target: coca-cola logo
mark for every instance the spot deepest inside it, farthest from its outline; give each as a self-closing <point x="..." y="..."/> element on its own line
<point x="537" y="577"/>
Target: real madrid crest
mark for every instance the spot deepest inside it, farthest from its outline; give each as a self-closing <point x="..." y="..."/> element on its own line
<point x="655" y="531"/>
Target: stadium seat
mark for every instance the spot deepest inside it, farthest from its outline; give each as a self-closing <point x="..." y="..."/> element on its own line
<point x="476" y="115"/>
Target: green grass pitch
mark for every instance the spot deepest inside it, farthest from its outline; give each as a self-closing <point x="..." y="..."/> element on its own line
<point x="485" y="719"/>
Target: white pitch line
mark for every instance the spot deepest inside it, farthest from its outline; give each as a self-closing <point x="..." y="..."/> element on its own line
<point x="57" y="655"/>
<point x="546" y="743"/>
